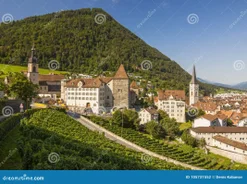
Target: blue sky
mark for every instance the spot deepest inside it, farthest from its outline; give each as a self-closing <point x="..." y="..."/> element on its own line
<point x="216" y="40"/>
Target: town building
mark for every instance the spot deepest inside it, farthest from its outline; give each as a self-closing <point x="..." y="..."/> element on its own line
<point x="194" y="88"/>
<point x="229" y="144"/>
<point x="49" y="85"/>
<point x="209" y="120"/>
<point x="239" y="119"/>
<point x="207" y="107"/>
<point x="148" y="114"/>
<point x="135" y="91"/>
<point x="227" y="138"/>
<point x="173" y="103"/>
<point x="99" y="94"/>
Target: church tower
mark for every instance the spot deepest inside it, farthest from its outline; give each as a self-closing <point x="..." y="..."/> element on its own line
<point x="194" y="88"/>
<point x="33" y="73"/>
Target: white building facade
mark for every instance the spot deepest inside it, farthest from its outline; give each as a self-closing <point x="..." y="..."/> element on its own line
<point x="207" y="133"/>
<point x="148" y="114"/>
<point x="194" y="88"/>
<point x="172" y="102"/>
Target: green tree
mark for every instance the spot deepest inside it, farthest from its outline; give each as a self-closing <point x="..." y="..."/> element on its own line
<point x="127" y="118"/>
<point x="23" y="89"/>
<point x="155" y="130"/>
<point x="202" y="143"/>
<point x="188" y="139"/>
<point x="162" y="114"/>
<point x="170" y="126"/>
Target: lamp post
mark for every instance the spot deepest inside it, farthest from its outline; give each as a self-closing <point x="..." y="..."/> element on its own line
<point x="122" y="122"/>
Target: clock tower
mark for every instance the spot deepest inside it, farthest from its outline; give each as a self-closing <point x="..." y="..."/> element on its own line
<point x="194" y="88"/>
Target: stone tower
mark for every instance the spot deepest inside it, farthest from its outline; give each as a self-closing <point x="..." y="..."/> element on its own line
<point x="194" y="88"/>
<point x="121" y="88"/>
<point x="33" y="68"/>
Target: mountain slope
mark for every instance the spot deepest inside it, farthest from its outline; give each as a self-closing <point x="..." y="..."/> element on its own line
<point x="242" y="86"/>
<point x="239" y="86"/>
<point x="79" y="44"/>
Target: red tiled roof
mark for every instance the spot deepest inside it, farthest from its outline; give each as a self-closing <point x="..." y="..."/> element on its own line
<point x="151" y="110"/>
<point x="226" y="113"/>
<point x="86" y="83"/>
<point x="206" y="106"/>
<point x="177" y="94"/>
<point x="105" y="79"/>
<point x="121" y="73"/>
<point x="236" y="117"/>
<point x="220" y="129"/>
<point x="209" y="117"/>
<point x="133" y="85"/>
<point x="230" y="142"/>
<point x="51" y="78"/>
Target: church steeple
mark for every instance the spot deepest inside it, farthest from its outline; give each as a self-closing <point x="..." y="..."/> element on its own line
<point x="33" y="68"/>
<point x="33" y="58"/>
<point x="32" y="51"/>
<point x="194" y="88"/>
<point x="193" y="79"/>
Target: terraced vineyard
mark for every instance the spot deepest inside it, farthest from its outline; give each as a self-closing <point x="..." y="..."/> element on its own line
<point x="180" y="152"/>
<point x="49" y="132"/>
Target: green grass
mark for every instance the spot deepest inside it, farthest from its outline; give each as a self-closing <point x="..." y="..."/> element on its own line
<point x="185" y="126"/>
<point x="13" y="160"/>
<point x="14" y="68"/>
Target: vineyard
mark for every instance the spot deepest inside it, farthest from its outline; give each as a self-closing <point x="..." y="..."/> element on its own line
<point x="52" y="140"/>
<point x="180" y="152"/>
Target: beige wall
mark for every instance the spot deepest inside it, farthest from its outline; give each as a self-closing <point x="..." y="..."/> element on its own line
<point x="144" y="116"/>
<point x="228" y="147"/>
<point x="240" y="137"/>
<point x="231" y="155"/>
<point x="121" y="93"/>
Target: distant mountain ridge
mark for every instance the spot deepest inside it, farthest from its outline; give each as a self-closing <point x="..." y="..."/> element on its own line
<point x="241" y="85"/>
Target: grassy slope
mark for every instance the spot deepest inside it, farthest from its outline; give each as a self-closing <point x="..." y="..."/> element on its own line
<point x="13" y="68"/>
<point x="9" y="144"/>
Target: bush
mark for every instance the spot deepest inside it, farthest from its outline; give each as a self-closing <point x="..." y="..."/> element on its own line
<point x="188" y="139"/>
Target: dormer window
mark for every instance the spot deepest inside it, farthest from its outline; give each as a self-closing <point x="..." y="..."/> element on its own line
<point x="80" y="84"/>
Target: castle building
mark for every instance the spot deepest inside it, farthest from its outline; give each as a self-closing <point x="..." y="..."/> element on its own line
<point x="99" y="94"/>
<point x="49" y="85"/>
<point x="194" y="88"/>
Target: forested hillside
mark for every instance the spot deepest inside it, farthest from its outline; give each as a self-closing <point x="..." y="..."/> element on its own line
<point x="79" y="44"/>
